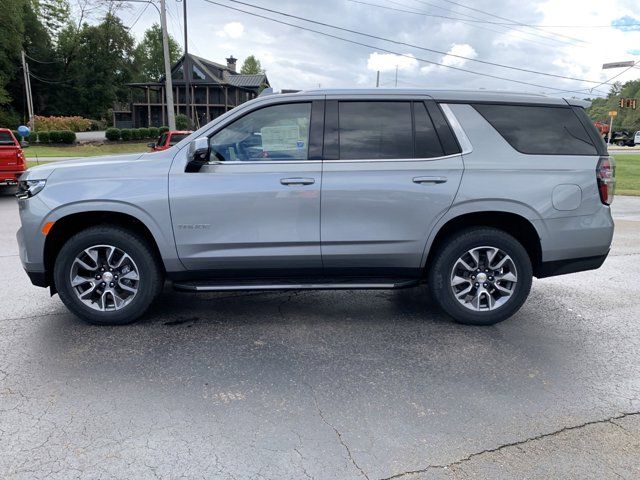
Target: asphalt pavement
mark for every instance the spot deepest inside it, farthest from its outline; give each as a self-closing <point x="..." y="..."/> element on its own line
<point x="326" y="385"/>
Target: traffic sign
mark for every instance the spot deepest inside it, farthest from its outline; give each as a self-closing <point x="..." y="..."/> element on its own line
<point x="630" y="63"/>
<point x="613" y="113"/>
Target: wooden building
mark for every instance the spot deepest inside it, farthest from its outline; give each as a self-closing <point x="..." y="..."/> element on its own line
<point x="214" y="88"/>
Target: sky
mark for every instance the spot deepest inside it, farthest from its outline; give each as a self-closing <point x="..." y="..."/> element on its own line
<point x="574" y="39"/>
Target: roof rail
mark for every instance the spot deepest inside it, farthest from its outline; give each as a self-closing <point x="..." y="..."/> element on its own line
<point x="267" y="91"/>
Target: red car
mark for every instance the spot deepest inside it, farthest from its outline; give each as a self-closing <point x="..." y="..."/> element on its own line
<point x="12" y="161"/>
<point x="168" y="139"/>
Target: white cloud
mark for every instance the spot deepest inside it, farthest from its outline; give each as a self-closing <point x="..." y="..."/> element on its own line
<point x="387" y="62"/>
<point x="452" y="58"/>
<point x="231" y="30"/>
<point x="461" y="49"/>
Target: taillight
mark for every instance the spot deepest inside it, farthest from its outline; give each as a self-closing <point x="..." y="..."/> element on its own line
<point x="20" y="156"/>
<point x="606" y="177"/>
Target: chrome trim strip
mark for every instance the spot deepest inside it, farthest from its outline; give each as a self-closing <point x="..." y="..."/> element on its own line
<point x="374" y="160"/>
<point x="465" y="144"/>
<point x="260" y="162"/>
<point x="293" y="286"/>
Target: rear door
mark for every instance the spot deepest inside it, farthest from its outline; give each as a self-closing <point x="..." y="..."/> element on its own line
<point x="391" y="169"/>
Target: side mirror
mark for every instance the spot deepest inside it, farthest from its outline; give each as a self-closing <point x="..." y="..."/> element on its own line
<point x="198" y="154"/>
<point x="151" y="144"/>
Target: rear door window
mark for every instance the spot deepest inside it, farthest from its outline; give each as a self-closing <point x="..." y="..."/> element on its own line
<point x="375" y="130"/>
<point x="539" y="130"/>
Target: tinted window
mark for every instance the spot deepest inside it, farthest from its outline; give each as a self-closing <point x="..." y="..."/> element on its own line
<point x="176" y="137"/>
<point x="426" y="141"/>
<point x="372" y="130"/>
<point x="280" y="132"/>
<point x="539" y="130"/>
<point x="6" y="139"/>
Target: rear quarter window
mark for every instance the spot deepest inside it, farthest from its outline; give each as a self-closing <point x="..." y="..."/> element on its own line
<point x="539" y="130"/>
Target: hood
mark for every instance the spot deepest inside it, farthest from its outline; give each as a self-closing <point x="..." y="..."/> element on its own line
<point x="42" y="172"/>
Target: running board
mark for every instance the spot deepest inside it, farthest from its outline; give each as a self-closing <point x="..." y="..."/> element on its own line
<point x="226" y="286"/>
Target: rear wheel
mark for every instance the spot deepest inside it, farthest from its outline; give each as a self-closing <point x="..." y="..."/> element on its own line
<point x="480" y="276"/>
<point x="107" y="275"/>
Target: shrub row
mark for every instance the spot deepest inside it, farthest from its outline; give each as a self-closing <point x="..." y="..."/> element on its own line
<point x="115" y="134"/>
<point x="75" y="123"/>
<point x="54" y="136"/>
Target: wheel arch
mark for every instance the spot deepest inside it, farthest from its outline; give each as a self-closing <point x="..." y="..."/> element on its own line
<point x="515" y="224"/>
<point x="68" y="225"/>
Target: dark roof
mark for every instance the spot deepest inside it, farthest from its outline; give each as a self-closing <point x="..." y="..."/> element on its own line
<point x="241" y="80"/>
<point x="211" y="69"/>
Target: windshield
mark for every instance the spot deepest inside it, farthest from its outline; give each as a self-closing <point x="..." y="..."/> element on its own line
<point x="176" y="137"/>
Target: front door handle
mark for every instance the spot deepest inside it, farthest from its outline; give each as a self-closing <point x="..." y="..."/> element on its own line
<point x="297" y="181"/>
<point x="424" y="180"/>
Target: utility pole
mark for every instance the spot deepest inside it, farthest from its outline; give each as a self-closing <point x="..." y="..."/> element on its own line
<point x="171" y="114"/>
<point x="27" y="90"/>
<point x="187" y="67"/>
<point x="378" y="79"/>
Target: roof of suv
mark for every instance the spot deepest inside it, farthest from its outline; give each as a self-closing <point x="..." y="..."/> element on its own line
<point x="455" y="95"/>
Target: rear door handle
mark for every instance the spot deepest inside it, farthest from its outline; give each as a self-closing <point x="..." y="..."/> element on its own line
<point x="424" y="180"/>
<point x="297" y="181"/>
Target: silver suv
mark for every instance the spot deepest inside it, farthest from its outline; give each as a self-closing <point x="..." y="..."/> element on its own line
<point x="473" y="193"/>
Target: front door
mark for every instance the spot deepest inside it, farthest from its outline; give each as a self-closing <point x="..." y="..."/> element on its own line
<point x="391" y="169"/>
<point x="256" y="205"/>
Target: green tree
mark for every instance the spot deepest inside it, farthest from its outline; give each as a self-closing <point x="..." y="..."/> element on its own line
<point x="149" y="55"/>
<point x="251" y="66"/>
<point x="54" y="15"/>
<point x="11" y="34"/>
<point x="98" y="61"/>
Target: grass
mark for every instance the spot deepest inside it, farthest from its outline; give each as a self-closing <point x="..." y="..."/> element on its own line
<point x="627" y="174"/>
<point x="85" y="150"/>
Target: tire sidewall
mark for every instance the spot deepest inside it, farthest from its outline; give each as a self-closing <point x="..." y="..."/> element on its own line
<point x="439" y="277"/>
<point x="129" y="243"/>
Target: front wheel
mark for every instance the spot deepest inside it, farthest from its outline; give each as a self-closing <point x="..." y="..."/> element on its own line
<point x="481" y="276"/>
<point x="107" y="275"/>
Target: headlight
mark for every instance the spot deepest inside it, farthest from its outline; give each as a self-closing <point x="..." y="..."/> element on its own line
<point x="29" y="188"/>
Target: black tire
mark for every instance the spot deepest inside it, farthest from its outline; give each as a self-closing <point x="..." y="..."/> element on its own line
<point x="149" y="270"/>
<point x="452" y="249"/>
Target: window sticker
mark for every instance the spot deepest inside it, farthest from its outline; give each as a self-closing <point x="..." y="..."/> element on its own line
<point x="283" y="137"/>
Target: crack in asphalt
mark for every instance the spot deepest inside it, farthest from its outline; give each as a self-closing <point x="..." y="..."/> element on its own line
<point x="337" y="432"/>
<point x="516" y="444"/>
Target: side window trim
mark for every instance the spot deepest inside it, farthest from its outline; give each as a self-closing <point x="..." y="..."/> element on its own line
<point x="447" y="138"/>
<point x="458" y="131"/>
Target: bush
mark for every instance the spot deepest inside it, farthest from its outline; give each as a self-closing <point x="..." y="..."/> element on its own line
<point x="112" y="134"/>
<point x="16" y="134"/>
<point x="163" y="129"/>
<point x="68" y="137"/>
<point x="75" y="124"/>
<point x="125" y="134"/>
<point x="144" y="132"/>
<point x="33" y="137"/>
<point x="97" y="125"/>
<point x="154" y="132"/>
<point x="9" y="118"/>
<point x="43" y="137"/>
<point x="55" y="136"/>
<point x="135" y="134"/>
<point x="182" y="122"/>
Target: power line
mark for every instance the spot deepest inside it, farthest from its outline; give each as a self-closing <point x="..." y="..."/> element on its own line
<point x="535" y="25"/>
<point x="52" y="82"/>
<point x="354" y="42"/>
<point x="376" y="37"/>
<point x="472" y="20"/>
<point x="42" y="61"/>
<point x="144" y="9"/>
<point x="510" y="26"/>
<point x="615" y="76"/>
